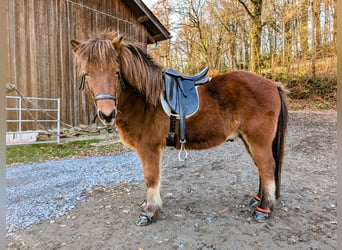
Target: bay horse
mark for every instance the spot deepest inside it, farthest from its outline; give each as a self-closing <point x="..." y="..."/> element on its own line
<point x="126" y="85"/>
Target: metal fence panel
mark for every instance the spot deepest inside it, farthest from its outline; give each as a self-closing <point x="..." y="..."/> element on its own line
<point x="43" y="115"/>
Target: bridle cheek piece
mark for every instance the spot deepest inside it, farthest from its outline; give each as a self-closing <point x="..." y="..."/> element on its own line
<point x="105" y="96"/>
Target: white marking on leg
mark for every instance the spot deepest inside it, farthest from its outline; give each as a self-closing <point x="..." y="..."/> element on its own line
<point x="271" y="193"/>
<point x="154" y="200"/>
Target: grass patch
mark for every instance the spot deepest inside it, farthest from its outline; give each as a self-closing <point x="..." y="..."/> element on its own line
<point x="42" y="152"/>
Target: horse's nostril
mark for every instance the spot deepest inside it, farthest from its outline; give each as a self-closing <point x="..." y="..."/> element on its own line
<point x="107" y="118"/>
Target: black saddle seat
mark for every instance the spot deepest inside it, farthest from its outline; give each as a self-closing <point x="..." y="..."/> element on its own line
<point x="197" y="78"/>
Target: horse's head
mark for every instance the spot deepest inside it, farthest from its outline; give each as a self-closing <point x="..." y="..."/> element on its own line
<point x="97" y="60"/>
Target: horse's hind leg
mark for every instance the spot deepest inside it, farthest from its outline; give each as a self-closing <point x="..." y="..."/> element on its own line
<point x="150" y="158"/>
<point x="256" y="199"/>
<point x="261" y="152"/>
<point x="267" y="189"/>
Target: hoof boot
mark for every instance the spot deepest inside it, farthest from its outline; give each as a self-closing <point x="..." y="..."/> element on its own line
<point x="261" y="216"/>
<point x="145" y="218"/>
<point x="254" y="202"/>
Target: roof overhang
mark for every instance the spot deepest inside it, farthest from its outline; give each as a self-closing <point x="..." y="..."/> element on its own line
<point x="157" y="32"/>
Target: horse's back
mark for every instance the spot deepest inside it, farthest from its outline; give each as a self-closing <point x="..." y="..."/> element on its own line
<point x="246" y="90"/>
<point x="252" y="101"/>
<point x="241" y="80"/>
<point x="233" y="104"/>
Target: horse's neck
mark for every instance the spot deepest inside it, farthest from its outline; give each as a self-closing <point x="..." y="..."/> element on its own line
<point x="134" y="113"/>
<point x="131" y="100"/>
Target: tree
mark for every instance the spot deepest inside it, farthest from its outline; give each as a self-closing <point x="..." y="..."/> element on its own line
<point x="163" y="10"/>
<point x="254" y="12"/>
<point x="228" y="14"/>
<point x="264" y="36"/>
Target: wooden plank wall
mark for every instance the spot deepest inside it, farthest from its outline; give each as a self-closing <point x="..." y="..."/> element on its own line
<point x="40" y="55"/>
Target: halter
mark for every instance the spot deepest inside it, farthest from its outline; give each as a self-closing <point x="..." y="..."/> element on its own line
<point x="103" y="96"/>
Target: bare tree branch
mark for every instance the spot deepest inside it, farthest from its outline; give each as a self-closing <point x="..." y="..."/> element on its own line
<point x="246" y="8"/>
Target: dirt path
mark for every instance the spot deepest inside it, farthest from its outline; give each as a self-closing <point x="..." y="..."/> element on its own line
<point x="205" y="202"/>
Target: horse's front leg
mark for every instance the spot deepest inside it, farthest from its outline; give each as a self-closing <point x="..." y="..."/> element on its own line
<point x="150" y="158"/>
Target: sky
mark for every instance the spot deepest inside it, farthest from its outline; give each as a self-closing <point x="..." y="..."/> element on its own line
<point x="149" y="3"/>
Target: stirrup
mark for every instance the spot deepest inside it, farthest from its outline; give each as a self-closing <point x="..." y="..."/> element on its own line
<point x="182" y="149"/>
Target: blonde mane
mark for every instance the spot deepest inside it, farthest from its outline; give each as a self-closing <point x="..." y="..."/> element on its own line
<point x="97" y="51"/>
<point x="137" y="67"/>
<point x="141" y="71"/>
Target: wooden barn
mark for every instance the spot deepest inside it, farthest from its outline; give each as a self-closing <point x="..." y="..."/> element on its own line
<point x="39" y="51"/>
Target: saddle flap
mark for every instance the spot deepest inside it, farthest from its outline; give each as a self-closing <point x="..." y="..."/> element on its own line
<point x="181" y="92"/>
<point x="181" y="95"/>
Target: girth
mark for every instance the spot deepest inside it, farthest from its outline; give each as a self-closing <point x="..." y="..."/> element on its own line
<point x="182" y="98"/>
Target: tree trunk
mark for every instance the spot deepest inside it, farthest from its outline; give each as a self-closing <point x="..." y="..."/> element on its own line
<point x="255" y="48"/>
<point x="255" y="33"/>
<point x="335" y="26"/>
<point x="304" y="37"/>
<point x="317" y="22"/>
<point x="313" y="40"/>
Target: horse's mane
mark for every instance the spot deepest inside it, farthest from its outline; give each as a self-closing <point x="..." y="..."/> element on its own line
<point x="137" y="67"/>
<point x="97" y="50"/>
<point x="141" y="71"/>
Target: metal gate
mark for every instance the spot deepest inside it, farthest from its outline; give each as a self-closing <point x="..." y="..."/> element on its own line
<point x="29" y="117"/>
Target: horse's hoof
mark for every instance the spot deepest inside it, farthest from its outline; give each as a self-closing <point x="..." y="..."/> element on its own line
<point x="254" y="202"/>
<point x="145" y="218"/>
<point x="261" y="216"/>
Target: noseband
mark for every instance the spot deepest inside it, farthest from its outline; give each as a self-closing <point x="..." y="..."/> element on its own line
<point x="104" y="96"/>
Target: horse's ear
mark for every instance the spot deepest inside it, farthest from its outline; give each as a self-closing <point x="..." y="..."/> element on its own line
<point x="75" y="44"/>
<point x="116" y="42"/>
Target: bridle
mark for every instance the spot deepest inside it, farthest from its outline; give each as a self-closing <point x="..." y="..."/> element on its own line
<point x="103" y="96"/>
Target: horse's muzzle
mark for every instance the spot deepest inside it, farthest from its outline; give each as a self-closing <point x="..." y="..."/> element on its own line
<point x="107" y="120"/>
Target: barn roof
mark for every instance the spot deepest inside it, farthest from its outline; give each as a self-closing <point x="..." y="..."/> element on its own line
<point x="146" y="18"/>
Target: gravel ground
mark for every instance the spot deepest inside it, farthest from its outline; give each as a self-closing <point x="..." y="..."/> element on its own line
<point x="205" y="198"/>
<point x="40" y="191"/>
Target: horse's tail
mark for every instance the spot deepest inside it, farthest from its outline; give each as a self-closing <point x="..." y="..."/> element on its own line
<point x="278" y="146"/>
